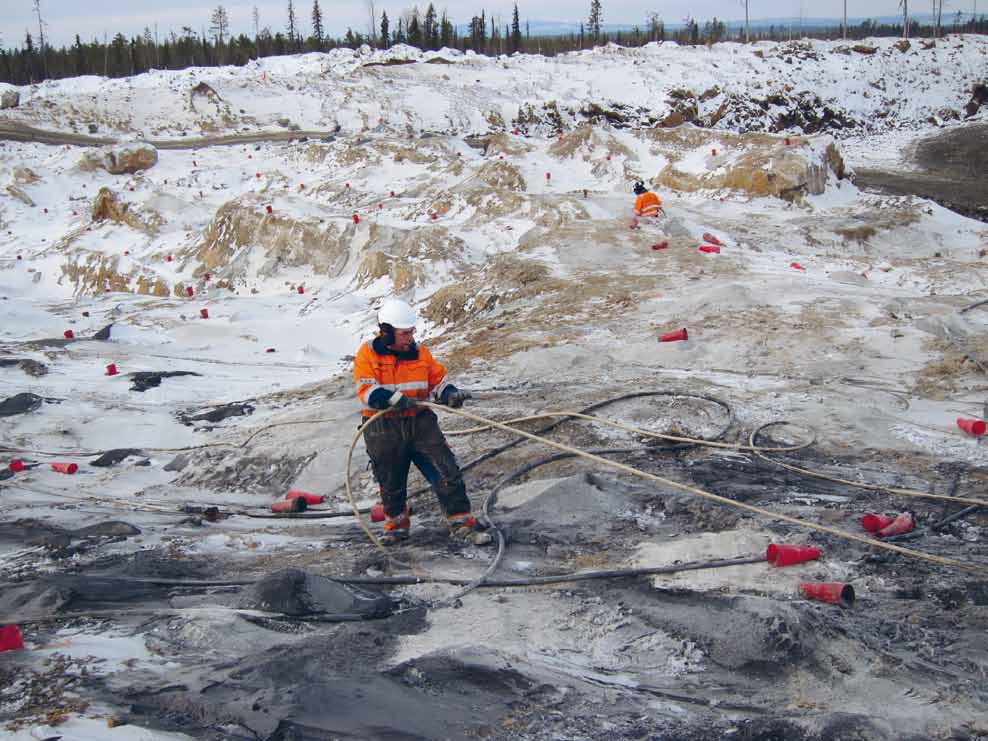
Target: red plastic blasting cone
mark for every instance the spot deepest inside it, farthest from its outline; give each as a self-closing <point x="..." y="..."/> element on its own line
<point x="787" y="555"/>
<point x="111" y="369"/>
<point x="301" y="186"/>
<point x="348" y="186"/>
<point x="189" y="292"/>
<point x="435" y="216"/>
<point x="257" y="174"/>
<point x="681" y="334"/>
<point x="548" y="176"/>
<point x="713" y="152"/>
<point x="828" y="591"/>
<point x="290" y="505"/>
<point x="708" y="237"/>
<point x="10" y="638"/>
<point x="796" y="266"/>
<point x="904" y="523"/>
<point x="206" y="276"/>
<point x="301" y="289"/>
<point x="973" y="426"/>
<point x="392" y="193"/>
<point x="269" y="209"/>
<point x="377" y="513"/>
<point x="660" y="245"/>
<point x="168" y="259"/>
<point x="204" y="313"/>
<point x="874" y="523"/>
<point x="16" y="465"/>
<point x="194" y="163"/>
<point x="68" y="468"/>
<point x="356" y="218"/>
<point x="69" y="334"/>
<point x="709" y="249"/>
<point x="309" y="498"/>
<point x="788" y="141"/>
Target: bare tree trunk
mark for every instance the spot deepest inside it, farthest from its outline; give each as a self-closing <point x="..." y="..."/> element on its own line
<point x="747" y="32"/>
<point x="845" y="20"/>
<point x="106" y="54"/>
<point x="373" y="22"/>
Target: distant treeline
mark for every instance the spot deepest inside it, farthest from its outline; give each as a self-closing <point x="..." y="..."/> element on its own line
<point x="120" y="57"/>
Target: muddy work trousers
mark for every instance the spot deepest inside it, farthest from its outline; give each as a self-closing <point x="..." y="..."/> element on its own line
<point x="392" y="442"/>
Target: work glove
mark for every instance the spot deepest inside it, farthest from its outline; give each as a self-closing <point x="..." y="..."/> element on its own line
<point x="456" y="398"/>
<point x="401" y="402"/>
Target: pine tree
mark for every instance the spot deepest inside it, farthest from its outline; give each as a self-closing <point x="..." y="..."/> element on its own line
<point x="515" y="30"/>
<point x="385" y="43"/>
<point x="292" y="28"/>
<point x="595" y="20"/>
<point x="431" y="30"/>
<point x="219" y="23"/>
<point x="317" y="23"/>
<point x="414" y="30"/>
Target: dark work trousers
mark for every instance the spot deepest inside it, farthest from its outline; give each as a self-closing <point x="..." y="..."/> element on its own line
<point x="392" y="444"/>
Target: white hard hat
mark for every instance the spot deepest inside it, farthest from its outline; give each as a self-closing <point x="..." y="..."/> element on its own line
<point x="398" y="314"/>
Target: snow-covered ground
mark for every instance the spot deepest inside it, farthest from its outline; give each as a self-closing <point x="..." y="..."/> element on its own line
<point x="479" y="190"/>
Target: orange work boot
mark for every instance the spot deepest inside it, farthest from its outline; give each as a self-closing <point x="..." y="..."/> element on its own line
<point x="397" y="529"/>
<point x="467" y="529"/>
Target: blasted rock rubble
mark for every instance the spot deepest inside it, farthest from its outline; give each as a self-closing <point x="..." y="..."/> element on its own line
<point x="234" y="267"/>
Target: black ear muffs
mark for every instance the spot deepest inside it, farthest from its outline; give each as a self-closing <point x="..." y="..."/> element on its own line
<point x="387" y="334"/>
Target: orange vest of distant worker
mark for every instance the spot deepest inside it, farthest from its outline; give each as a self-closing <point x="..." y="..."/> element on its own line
<point x="648" y="204"/>
<point x="415" y="373"/>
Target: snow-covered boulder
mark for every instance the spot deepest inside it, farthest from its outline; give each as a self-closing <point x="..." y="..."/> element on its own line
<point x="118" y="160"/>
<point x="10" y="99"/>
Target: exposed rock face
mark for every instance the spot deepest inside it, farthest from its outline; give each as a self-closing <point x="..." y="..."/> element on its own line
<point x="121" y="159"/>
<point x="107" y="206"/>
<point x="25" y="176"/>
<point x="758" y="164"/>
<point x="979" y="96"/>
<point x="19" y="194"/>
<point x="10" y="99"/>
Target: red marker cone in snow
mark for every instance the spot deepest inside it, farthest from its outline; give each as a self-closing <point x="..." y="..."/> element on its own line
<point x="356" y="218"/>
<point x="676" y="336"/>
<point x="796" y="266"/>
<point x="189" y="292"/>
<point x="787" y="555"/>
<point x="111" y="369"/>
<point x="69" y="468"/>
<point x="973" y="426"/>
<point x="660" y="245"/>
<point x="257" y="175"/>
<point x="708" y="237"/>
<point x="392" y="194"/>
<point x="194" y="163"/>
<point x="301" y="186"/>
<point x="516" y="132"/>
<point x="309" y="498"/>
<point x="16" y="465"/>
<point x="270" y="349"/>
<point x="608" y="158"/>
<point x="435" y="216"/>
<point x="269" y="209"/>
<point x="68" y="334"/>
<point x="168" y="258"/>
<point x="85" y="313"/>
<point x="834" y="593"/>
<point x="874" y="523"/>
<point x="709" y="249"/>
<point x="290" y="505"/>
<point x="10" y="638"/>
<point x="206" y="276"/>
<point x="713" y="152"/>
<point x="250" y="156"/>
<point x="902" y="524"/>
<point x="301" y="290"/>
<point x="204" y="313"/>
<point x="788" y="142"/>
<point x="347" y="186"/>
<point x="548" y="176"/>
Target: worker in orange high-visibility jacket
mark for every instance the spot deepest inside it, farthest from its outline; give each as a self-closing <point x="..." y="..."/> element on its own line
<point x="393" y="373"/>
<point x="647" y="203"/>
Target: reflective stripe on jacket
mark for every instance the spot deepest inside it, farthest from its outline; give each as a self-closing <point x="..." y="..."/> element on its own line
<point x="415" y="373"/>
<point x="648" y="204"/>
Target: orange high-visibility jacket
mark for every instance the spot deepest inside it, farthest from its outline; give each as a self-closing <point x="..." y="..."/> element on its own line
<point x="414" y="373"/>
<point x="647" y="204"/>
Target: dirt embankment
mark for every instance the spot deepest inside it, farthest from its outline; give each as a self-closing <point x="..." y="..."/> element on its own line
<point x="952" y="172"/>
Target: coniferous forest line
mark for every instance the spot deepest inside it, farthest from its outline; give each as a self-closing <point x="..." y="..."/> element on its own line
<point x="213" y="45"/>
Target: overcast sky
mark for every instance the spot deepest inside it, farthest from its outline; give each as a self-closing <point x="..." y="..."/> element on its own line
<point x="91" y="18"/>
